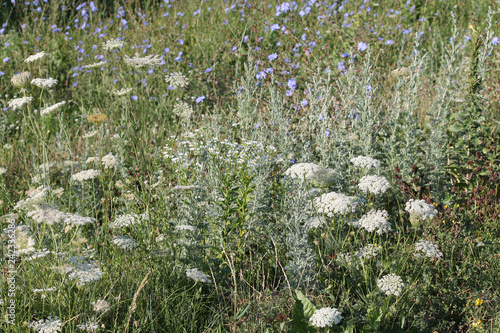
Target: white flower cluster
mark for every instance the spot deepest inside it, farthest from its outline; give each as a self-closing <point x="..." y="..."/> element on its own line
<point x="75" y="219"/>
<point x="21" y="80"/>
<point x="109" y="161"/>
<point x="367" y="252"/>
<point x="3" y="170"/>
<point x="35" y="197"/>
<point x="100" y="306"/>
<point x="177" y="80"/>
<point x="326" y="317"/>
<point x="44" y="83"/>
<point x="90" y="326"/>
<point x="336" y="203"/>
<point x="124" y="242"/>
<point x="83" y="270"/>
<point x="86" y="175"/>
<point x="374" y="220"/>
<point x="19" y="103"/>
<point x="122" y="91"/>
<point x="49" y="325"/>
<point x="316" y="175"/>
<point x="95" y="64"/>
<point x="36" y="56"/>
<point x="197" y="275"/>
<point x="365" y="162"/>
<point x="421" y="209"/>
<point x="374" y="184"/>
<point x="391" y="284"/>
<point x="183" y="110"/>
<point x="113" y="43"/>
<point x="123" y="221"/>
<point x="39" y="254"/>
<point x="25" y="242"/>
<point x="315" y="222"/>
<point x="430" y="249"/>
<point x="47" y="215"/>
<point x="138" y="62"/>
<point x="49" y="109"/>
<point x="89" y="134"/>
<point x="185" y="227"/>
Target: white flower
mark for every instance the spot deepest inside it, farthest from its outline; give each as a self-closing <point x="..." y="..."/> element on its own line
<point x="315" y="222"/>
<point x="123" y="221"/>
<point x="139" y="62"/>
<point x="83" y="270"/>
<point x="421" y="209"/>
<point x="21" y="80"/>
<point x="95" y="64"/>
<point x="3" y="170"/>
<point x="39" y="254"/>
<point x="183" y="110"/>
<point x="86" y="175"/>
<point x="49" y="325"/>
<point x="326" y="317"/>
<point x="185" y="187"/>
<point x="90" y="326"/>
<point x="176" y="79"/>
<point x="47" y="215"/>
<point x="302" y="170"/>
<point x="186" y="227"/>
<point x="365" y="162"/>
<point x="391" y="284"/>
<point x="35" y="197"/>
<point x="18" y="103"/>
<point x="374" y="184"/>
<point x="113" y="43"/>
<point x="367" y="252"/>
<point x="109" y="161"/>
<point x="49" y="109"/>
<point x="35" y="56"/>
<point x="24" y="241"/>
<point x="44" y="83"/>
<point x="43" y="290"/>
<point x="75" y="219"/>
<point x="160" y="238"/>
<point x="336" y="203"/>
<point x="122" y="91"/>
<point x="197" y="275"/>
<point x="430" y="249"/>
<point x="100" y="306"/>
<point x="125" y="242"/>
<point x="375" y="220"/>
<point x="89" y="134"/>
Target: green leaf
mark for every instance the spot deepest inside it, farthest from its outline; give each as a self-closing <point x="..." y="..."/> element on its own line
<point x="242" y="312"/>
<point x="308" y="307"/>
<point x="456" y="128"/>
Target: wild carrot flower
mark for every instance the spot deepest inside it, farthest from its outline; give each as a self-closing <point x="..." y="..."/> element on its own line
<point x="21" y="80"/>
<point x="44" y="83"/>
<point x="375" y="220"/>
<point x="138" y="62"/>
<point x="365" y="162"/>
<point x="86" y="175"/>
<point x="391" y="284"/>
<point x="326" y="317"/>
<point x="374" y="184"/>
<point x="36" y="56"/>
<point x="336" y="203"/>
<point x="100" y="306"/>
<point x="113" y="43"/>
<point x="49" y="325"/>
<point x="122" y="91"/>
<point x="19" y="103"/>
<point x="177" y="80"/>
<point x="430" y="249"/>
<point x="49" y="109"/>
<point x="197" y="275"/>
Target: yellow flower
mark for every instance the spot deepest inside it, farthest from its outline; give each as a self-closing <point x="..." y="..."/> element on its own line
<point x="479" y="301"/>
<point x="476" y="323"/>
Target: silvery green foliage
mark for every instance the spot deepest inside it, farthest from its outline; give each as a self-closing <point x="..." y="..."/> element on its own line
<point x="486" y="49"/>
<point x="402" y="143"/>
<point x="247" y="95"/>
<point x="447" y="87"/>
<point x="301" y="257"/>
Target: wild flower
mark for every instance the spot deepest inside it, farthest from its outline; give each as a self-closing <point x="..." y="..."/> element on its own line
<point x="336" y="203"/>
<point x="39" y="254"/>
<point x="100" y="306"/>
<point x="374" y="184"/>
<point x="316" y="175"/>
<point x="75" y="219"/>
<point x="97" y="118"/>
<point x="3" y="170"/>
<point x="124" y="242"/>
<point x="90" y="134"/>
<point x="113" y="43"/>
<point x="49" y="109"/>
<point x="125" y="220"/>
<point x="36" y="196"/>
<point x="177" y="80"/>
<point x="86" y="175"/>
<point x="138" y="62"/>
<point x="326" y="317"/>
<point x="19" y="103"/>
<point x="122" y="91"/>
<point x="420" y="209"/>
<point x="197" y="275"/>
<point x="109" y="161"/>
<point x="95" y="64"/>
<point x="49" y="325"/>
<point x="367" y="252"/>
<point x="374" y="220"/>
<point x="185" y="227"/>
<point x="21" y="80"/>
<point x="90" y="326"/>
<point x="36" y="56"/>
<point x="25" y="243"/>
<point x="83" y="270"/>
<point x="365" y="162"/>
<point x="43" y="290"/>
<point x="44" y="83"/>
<point x="430" y="249"/>
<point x="391" y="284"/>
<point x="47" y="215"/>
<point x="315" y="222"/>
<point x="185" y="187"/>
<point x="183" y="110"/>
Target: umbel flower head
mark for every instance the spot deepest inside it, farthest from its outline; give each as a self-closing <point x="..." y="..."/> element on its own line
<point x="197" y="275"/>
<point x="365" y="162"/>
<point x="21" y="80"/>
<point x="113" y="43"/>
<point x="36" y="56"/>
<point x="50" y="109"/>
<point x="314" y="174"/>
<point x="374" y="220"/>
<point x="326" y="317"/>
<point x="177" y="80"/>
<point x="336" y="203"/>
<point x="419" y="211"/>
<point x="44" y="83"/>
<point x="391" y="284"/>
<point x="374" y="184"/>
<point x="183" y="110"/>
<point x="97" y="118"/>
<point x="430" y="249"/>
<point x="49" y="325"/>
<point x="19" y="103"/>
<point x="138" y="62"/>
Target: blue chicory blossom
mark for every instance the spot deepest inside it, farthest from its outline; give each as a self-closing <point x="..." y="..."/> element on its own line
<point x="272" y="57"/>
<point x="200" y="99"/>
<point x="362" y="46"/>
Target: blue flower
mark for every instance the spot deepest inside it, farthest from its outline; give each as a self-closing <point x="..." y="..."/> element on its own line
<point x="341" y="66"/>
<point x="272" y="57"/>
<point x="389" y="42"/>
<point x="304" y="102"/>
<point x="362" y="46"/>
<point x="200" y="99"/>
<point x="208" y="70"/>
<point x="292" y="84"/>
<point x="6" y="59"/>
<point x="181" y="41"/>
<point x="261" y="75"/>
<point x="275" y="27"/>
<point x="494" y="40"/>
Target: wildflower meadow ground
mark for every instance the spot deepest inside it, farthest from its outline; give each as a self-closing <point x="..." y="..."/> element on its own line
<point x="249" y="166"/>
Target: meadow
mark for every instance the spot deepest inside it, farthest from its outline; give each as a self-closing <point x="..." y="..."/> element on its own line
<point x="249" y="166"/>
